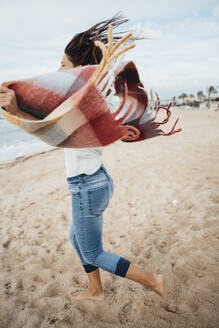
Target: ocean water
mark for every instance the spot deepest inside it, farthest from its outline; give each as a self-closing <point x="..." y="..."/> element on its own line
<point x="15" y="143"/>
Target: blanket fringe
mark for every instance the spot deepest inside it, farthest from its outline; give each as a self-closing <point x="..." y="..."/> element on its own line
<point x="167" y="109"/>
<point x="104" y="78"/>
<point x="109" y="53"/>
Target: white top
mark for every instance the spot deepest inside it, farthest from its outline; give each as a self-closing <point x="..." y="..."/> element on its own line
<point x="85" y="160"/>
<point x="82" y="160"/>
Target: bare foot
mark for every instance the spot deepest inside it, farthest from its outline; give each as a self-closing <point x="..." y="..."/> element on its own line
<point x="159" y="287"/>
<point x="88" y="295"/>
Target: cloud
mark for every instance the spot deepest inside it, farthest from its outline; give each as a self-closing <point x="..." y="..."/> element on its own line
<point x="147" y="31"/>
<point x="215" y="12"/>
<point x="181" y="54"/>
<point x="193" y="27"/>
<point x="179" y="60"/>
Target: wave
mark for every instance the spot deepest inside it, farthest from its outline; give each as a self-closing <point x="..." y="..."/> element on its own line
<point x="9" y="152"/>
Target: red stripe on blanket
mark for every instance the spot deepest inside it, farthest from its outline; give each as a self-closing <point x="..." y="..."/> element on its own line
<point x="107" y="129"/>
<point x="35" y="98"/>
<point x="85" y="74"/>
<point x="81" y="138"/>
<point x="91" y="103"/>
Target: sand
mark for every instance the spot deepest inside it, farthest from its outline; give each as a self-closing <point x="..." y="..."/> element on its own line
<point x="163" y="217"/>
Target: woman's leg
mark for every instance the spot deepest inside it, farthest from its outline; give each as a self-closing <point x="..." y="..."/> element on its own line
<point x="155" y="282"/>
<point x="94" y="234"/>
<point x="95" y="290"/>
<point x="95" y="194"/>
<point x="88" y="231"/>
<point x="96" y="256"/>
<point x="72" y="237"/>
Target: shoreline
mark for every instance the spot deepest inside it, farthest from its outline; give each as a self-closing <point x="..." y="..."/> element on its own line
<point x="12" y="162"/>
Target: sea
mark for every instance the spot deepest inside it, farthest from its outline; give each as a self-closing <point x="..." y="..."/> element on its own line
<point x="15" y="143"/>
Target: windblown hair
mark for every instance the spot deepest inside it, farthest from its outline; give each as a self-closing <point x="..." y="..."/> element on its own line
<point x="81" y="50"/>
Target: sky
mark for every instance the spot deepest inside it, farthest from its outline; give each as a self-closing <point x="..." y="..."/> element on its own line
<point x="180" y="52"/>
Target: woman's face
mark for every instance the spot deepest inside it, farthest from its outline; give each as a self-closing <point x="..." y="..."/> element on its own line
<point x="65" y="64"/>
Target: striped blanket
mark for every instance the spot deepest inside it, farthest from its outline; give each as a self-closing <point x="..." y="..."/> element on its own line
<point x="72" y="108"/>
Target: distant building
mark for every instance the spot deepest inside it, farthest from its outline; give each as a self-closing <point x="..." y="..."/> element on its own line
<point x="191" y="102"/>
<point x="166" y="101"/>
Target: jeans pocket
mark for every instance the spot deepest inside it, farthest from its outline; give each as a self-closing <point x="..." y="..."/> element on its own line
<point x="98" y="199"/>
<point x="74" y="188"/>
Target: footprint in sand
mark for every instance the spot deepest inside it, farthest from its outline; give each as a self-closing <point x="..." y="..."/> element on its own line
<point x="148" y="253"/>
<point x="214" y="198"/>
<point x="8" y="285"/>
<point x="195" y="227"/>
<point x="163" y="247"/>
<point x="135" y="248"/>
<point x="6" y="241"/>
<point x="75" y="280"/>
<point x="19" y="285"/>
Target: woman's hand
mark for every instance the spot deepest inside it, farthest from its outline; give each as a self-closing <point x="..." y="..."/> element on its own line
<point x="8" y="100"/>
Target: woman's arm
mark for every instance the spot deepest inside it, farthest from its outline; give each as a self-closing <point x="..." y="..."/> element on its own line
<point x="9" y="102"/>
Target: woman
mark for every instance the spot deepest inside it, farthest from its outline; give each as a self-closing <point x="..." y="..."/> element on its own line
<point x="90" y="184"/>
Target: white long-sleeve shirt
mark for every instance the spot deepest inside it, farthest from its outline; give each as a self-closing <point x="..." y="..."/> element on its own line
<point x="82" y="160"/>
<point x="85" y="160"/>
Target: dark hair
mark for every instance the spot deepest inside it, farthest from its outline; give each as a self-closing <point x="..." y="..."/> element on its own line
<point x="81" y="50"/>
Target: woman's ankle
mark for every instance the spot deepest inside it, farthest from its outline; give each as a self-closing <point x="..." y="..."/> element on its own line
<point x="96" y="290"/>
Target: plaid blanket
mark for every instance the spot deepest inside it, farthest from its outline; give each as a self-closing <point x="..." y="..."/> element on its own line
<point x="73" y="111"/>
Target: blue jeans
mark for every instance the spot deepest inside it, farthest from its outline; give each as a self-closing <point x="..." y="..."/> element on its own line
<point x="91" y="195"/>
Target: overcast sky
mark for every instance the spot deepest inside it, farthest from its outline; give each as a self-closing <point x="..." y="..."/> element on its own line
<point x="182" y="54"/>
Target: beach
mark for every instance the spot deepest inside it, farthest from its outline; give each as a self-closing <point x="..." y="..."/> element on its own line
<point x="163" y="217"/>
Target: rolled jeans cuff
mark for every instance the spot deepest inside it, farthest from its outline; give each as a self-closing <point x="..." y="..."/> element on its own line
<point x="89" y="268"/>
<point x="122" y="267"/>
